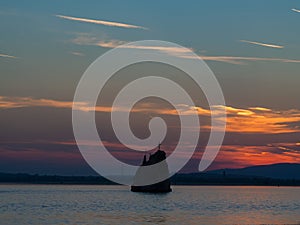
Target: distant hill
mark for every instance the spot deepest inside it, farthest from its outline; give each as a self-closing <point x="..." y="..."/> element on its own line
<point x="282" y="174"/>
<point x="275" y="171"/>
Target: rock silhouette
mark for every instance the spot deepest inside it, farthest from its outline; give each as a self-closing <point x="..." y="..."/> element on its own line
<point x="142" y="174"/>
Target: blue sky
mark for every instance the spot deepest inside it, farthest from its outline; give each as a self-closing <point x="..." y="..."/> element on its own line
<point x="32" y="33"/>
<point x="43" y="56"/>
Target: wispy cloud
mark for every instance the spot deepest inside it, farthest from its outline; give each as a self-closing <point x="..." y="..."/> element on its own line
<point x="102" y="22"/>
<point x="240" y="60"/>
<point x="23" y="102"/>
<point x="296" y="10"/>
<point x="185" y="53"/>
<point x="262" y="44"/>
<point x="7" y="56"/>
<point x="260" y="109"/>
<point x="77" y="53"/>
<point x="86" y="39"/>
<point x="110" y="43"/>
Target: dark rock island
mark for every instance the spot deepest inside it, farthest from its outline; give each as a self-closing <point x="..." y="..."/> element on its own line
<point x="141" y="175"/>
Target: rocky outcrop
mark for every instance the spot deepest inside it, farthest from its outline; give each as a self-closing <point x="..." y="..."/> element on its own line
<point x="154" y="172"/>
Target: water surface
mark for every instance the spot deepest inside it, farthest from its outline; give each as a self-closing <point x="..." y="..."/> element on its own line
<point x="93" y="204"/>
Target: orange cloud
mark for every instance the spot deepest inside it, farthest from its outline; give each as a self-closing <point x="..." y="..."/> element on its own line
<point x="238" y="156"/>
<point x="248" y="120"/>
<point x="263" y="121"/>
<point x="20" y="102"/>
<point x="230" y="156"/>
<point x="260" y="109"/>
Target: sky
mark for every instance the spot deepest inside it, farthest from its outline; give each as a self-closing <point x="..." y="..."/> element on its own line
<point x="253" y="48"/>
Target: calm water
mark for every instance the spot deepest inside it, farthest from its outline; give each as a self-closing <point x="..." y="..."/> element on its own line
<point x="64" y="204"/>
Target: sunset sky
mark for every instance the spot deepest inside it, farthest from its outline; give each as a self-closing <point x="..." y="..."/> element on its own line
<point x="253" y="48"/>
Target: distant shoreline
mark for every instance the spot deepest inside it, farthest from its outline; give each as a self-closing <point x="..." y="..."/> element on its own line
<point x="199" y="179"/>
<point x="282" y="174"/>
<point x="188" y="185"/>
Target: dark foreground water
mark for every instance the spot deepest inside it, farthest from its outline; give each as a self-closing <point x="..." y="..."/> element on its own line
<point x="75" y="204"/>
